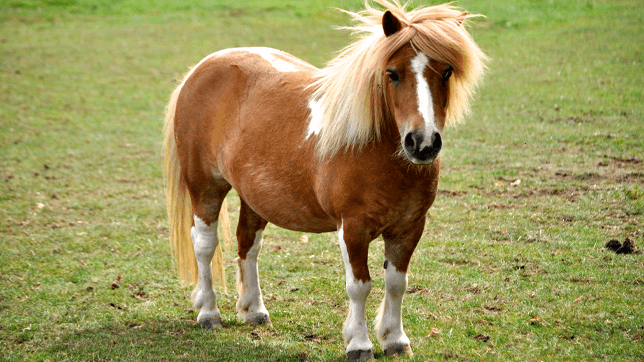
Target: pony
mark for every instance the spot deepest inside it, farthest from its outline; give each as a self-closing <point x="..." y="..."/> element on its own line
<point x="353" y="148"/>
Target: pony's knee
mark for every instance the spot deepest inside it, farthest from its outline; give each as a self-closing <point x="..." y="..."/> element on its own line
<point x="204" y="238"/>
<point x="358" y="290"/>
<point x="395" y="280"/>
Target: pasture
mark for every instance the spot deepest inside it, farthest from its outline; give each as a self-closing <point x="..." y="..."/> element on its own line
<point x="545" y="171"/>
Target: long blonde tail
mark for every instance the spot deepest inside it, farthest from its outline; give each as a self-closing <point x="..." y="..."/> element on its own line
<point x="180" y="211"/>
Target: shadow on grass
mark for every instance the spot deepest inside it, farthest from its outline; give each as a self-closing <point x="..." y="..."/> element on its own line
<point x="185" y="341"/>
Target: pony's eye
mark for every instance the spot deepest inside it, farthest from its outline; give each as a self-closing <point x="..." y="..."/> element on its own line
<point x="446" y="74"/>
<point x="394" y="77"/>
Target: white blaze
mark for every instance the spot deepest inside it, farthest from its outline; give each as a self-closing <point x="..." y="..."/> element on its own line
<point x="425" y="102"/>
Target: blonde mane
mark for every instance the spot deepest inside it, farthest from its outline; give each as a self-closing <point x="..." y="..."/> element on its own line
<point x="353" y="105"/>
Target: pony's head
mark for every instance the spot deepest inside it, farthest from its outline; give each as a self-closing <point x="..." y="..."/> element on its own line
<point x="417" y="69"/>
<point x="416" y="95"/>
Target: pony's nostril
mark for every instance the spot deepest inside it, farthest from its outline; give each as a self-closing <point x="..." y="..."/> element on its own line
<point x="410" y="143"/>
<point x="425" y="153"/>
<point x="437" y="141"/>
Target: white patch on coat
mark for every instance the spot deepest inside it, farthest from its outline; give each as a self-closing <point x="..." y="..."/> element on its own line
<point x="250" y="303"/>
<point x="425" y="101"/>
<point x="205" y="241"/>
<point x="315" y="118"/>
<point x="292" y="65"/>
<point x="270" y="55"/>
<point x="355" y="327"/>
<point x="279" y="64"/>
<point x="389" y="327"/>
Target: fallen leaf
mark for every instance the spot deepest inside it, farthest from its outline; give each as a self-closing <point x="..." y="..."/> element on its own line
<point x="304" y="239"/>
<point x="498" y="184"/>
<point x="516" y="183"/>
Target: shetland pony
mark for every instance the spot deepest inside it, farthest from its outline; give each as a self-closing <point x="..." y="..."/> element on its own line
<point x="352" y="148"/>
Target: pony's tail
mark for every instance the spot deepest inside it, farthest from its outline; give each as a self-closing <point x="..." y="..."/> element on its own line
<point x="180" y="211"/>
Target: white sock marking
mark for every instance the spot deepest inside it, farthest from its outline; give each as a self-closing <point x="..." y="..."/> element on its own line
<point x="205" y="241"/>
<point x="250" y="303"/>
<point x="389" y="325"/>
<point x="355" y="327"/>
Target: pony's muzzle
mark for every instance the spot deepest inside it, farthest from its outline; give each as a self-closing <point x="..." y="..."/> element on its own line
<point x="418" y="150"/>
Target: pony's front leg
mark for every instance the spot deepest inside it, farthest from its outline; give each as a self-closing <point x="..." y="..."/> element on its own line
<point x="205" y="241"/>
<point x="355" y="249"/>
<point x="389" y="326"/>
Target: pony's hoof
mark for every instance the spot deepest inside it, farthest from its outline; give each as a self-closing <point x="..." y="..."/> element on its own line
<point x="398" y="350"/>
<point x="210" y="323"/>
<point x="360" y="355"/>
<point x="258" y="320"/>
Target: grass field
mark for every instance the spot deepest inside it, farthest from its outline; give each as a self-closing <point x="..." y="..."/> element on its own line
<point x="506" y="270"/>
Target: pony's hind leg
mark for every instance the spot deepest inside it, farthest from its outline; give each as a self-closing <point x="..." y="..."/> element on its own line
<point x="206" y="206"/>
<point x="389" y="326"/>
<point x="205" y="241"/>
<point x="250" y="306"/>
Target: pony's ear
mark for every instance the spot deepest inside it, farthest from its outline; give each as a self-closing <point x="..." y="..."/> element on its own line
<point x="461" y="18"/>
<point x="390" y="23"/>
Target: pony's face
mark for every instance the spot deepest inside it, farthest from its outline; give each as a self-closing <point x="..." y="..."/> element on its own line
<point x="417" y="95"/>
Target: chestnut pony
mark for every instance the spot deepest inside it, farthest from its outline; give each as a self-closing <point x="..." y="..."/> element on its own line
<point x="351" y="148"/>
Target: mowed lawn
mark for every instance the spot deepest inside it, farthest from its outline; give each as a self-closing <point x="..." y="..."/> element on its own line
<point x="545" y="171"/>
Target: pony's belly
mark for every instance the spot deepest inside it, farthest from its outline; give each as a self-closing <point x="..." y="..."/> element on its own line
<point x="290" y="211"/>
<point x="312" y="225"/>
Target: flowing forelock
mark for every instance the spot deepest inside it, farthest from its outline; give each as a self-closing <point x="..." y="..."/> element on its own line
<point x="350" y="91"/>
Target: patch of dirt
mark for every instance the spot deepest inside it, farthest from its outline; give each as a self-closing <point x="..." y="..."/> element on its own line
<point x="450" y="193"/>
<point x="482" y="337"/>
<point x="454" y="261"/>
<point x="414" y="290"/>
<point x="571" y="193"/>
<point x="497" y="206"/>
<point x="562" y="175"/>
<point x="313" y="302"/>
<point x="493" y="308"/>
<point x="582" y="280"/>
<point x="475" y="288"/>
<point x="621" y="162"/>
<point x="633" y="177"/>
<point x="571" y="185"/>
<point x="139" y="295"/>
<point x="312" y="337"/>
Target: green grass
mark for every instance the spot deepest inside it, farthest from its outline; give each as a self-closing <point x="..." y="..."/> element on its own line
<point x="82" y="90"/>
